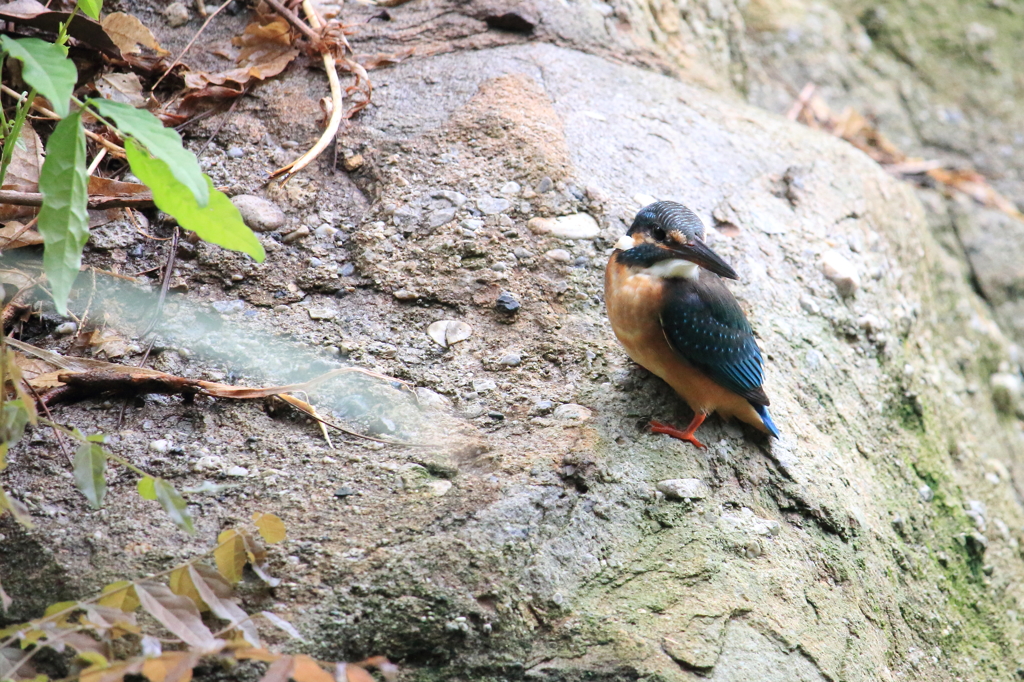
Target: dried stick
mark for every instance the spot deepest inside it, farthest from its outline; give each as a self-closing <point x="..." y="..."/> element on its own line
<point x="336" y="102"/>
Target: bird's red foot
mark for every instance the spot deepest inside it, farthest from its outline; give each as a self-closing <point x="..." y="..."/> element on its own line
<point x="687" y="435"/>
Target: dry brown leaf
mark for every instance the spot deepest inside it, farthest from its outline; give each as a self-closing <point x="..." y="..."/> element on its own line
<point x="27" y="161"/>
<point x="257" y="654"/>
<point x="382" y="59"/>
<point x="280" y="670"/>
<point x="108" y="343"/>
<point x="357" y="674"/>
<point x="171" y="666"/>
<point x="178" y="614"/>
<point x="213" y="593"/>
<point x="265" y="52"/>
<point x="128" y="33"/>
<point x="122" y="87"/>
<point x="13" y="235"/>
<point x="305" y="669"/>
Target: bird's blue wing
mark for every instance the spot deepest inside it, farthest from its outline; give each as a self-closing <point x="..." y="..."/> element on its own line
<point x="705" y="325"/>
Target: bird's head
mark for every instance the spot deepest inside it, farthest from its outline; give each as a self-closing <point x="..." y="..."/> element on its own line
<point x="665" y="231"/>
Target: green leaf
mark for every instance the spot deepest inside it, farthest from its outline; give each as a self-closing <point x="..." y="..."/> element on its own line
<point x="46" y="68"/>
<point x="91" y="7"/>
<point x="147" y="488"/>
<point x="90" y="470"/>
<point x="64" y="218"/>
<point x="13" y="420"/>
<point x="163" y="143"/>
<point x="174" y="505"/>
<point x="218" y="222"/>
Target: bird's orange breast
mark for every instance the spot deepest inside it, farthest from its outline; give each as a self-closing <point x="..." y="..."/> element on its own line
<point x="634" y="303"/>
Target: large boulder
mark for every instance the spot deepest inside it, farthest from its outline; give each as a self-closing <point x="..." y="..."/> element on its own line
<point x="877" y="539"/>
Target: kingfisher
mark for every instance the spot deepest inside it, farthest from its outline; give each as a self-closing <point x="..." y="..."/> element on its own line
<point x="670" y="308"/>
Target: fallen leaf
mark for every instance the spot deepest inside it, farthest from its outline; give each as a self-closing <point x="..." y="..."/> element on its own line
<point x="382" y="59"/>
<point x="271" y="527"/>
<point x="26" y="162"/>
<point x="122" y="87"/>
<point x="13" y="235"/>
<point x="128" y="33"/>
<point x="265" y="52"/>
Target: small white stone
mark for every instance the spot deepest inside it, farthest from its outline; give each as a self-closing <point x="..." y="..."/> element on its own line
<point x="446" y="333"/>
<point x="841" y="271"/>
<point x="209" y="463"/>
<point x="176" y="14"/>
<point x="484" y="385"/>
<point x="572" y="412"/>
<point x="437" y="488"/>
<point x="162" y="446"/>
<point x="237" y="472"/>
<point x="684" y="488"/>
<point x="322" y="314"/>
<point x="575" y="226"/>
<point x="558" y="255"/>
<point x="66" y="328"/>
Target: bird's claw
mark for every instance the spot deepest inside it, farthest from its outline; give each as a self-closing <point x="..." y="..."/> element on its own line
<point x="658" y="427"/>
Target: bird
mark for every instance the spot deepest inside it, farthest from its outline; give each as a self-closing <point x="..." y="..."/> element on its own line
<point x="669" y="307"/>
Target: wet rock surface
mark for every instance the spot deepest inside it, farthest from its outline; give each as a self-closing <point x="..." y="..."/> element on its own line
<point x="529" y="539"/>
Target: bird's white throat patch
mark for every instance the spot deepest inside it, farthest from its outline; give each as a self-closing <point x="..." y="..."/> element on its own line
<point x="625" y="242"/>
<point x="673" y="268"/>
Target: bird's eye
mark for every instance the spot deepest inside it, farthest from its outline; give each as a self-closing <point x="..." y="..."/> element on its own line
<point x="658" y="234"/>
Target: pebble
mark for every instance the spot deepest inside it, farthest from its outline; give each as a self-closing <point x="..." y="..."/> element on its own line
<point x="440" y="217"/>
<point x="322" y="314"/>
<point x="499" y="267"/>
<point x="495" y="415"/>
<point x="176" y="14"/>
<point x="926" y="494"/>
<point x="229" y="307"/>
<point x="446" y="333"/>
<point x="405" y="216"/>
<point x="841" y="271"/>
<point x="431" y="399"/>
<point x="581" y="262"/>
<point x="575" y="226"/>
<point x="545" y="185"/>
<point x="66" y="328"/>
<point x="296" y="235"/>
<point x="484" y="385"/>
<point x="281" y="308"/>
<point x="542" y="407"/>
<point x="457" y="199"/>
<point x="683" y="488"/>
<point x="472" y="224"/>
<point x="406" y="295"/>
<point x="315" y="262"/>
<point x="507" y="303"/>
<point x="558" y="255"/>
<point x="345" y="491"/>
<point x="510" y="188"/>
<point x="209" y="463"/>
<point x="326" y="232"/>
<point x="237" y="472"/>
<point x="346" y="270"/>
<point x="258" y="213"/>
<point x="437" y="488"/>
<point x="572" y="412"/>
<point x="235" y="153"/>
<point x="163" y="446"/>
<point x="351" y="163"/>
<point x="521" y="253"/>
<point x="511" y="360"/>
<point x="1006" y="391"/>
<point x="492" y="205"/>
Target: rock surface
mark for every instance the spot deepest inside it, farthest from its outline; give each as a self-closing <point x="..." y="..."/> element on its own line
<point x="528" y="540"/>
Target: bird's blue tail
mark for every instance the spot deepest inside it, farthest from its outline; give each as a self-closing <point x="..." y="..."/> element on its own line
<point x="767" y="419"/>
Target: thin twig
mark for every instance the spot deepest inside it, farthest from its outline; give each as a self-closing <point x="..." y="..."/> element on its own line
<point x="294" y="20"/>
<point x="165" y="285"/>
<point x="96" y="201"/>
<point x="111" y="147"/>
<point x="190" y="43"/>
<point x="57" y="432"/>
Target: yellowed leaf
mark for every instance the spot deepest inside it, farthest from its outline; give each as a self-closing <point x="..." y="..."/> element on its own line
<point x="128" y="33"/>
<point x="170" y="666"/>
<point x="257" y="654"/>
<point x="181" y="583"/>
<point x="230" y="555"/>
<point x="120" y="595"/>
<point x="271" y="527"/>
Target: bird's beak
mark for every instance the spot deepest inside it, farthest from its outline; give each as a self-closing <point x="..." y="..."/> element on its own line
<point x="698" y="252"/>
